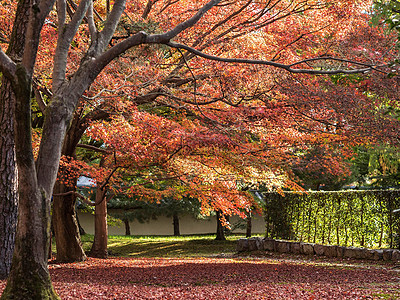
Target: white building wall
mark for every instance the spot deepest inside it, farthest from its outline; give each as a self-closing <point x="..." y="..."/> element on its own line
<point x="164" y="226"/>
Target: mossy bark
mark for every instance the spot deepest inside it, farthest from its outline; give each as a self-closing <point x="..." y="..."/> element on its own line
<point x="29" y="279"/>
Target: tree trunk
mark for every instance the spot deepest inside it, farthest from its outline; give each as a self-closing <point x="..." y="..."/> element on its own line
<point x="68" y="239"/>
<point x="175" y="218"/>
<point x="8" y="169"/>
<point x="99" y="247"/>
<point x="66" y="228"/>
<point x="8" y="180"/>
<point x="127" y="227"/>
<point x="220" y="229"/>
<point x="248" y="226"/>
<point x="29" y="276"/>
<point x="81" y="229"/>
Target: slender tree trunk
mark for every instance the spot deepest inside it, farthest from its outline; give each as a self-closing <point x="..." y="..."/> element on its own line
<point x="220" y="229"/>
<point x="67" y="236"/>
<point x="127" y="227"/>
<point x="248" y="226"/>
<point x="175" y="219"/>
<point x="81" y="229"/>
<point x="99" y="247"/>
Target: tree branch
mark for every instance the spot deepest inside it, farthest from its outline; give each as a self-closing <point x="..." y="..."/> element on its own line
<point x="37" y="15"/>
<point x="65" y="37"/>
<point x="91" y="23"/>
<point x="111" y="24"/>
<point x="7" y="66"/>
<point x="165" y="37"/>
<point x="39" y="100"/>
<point x="76" y="194"/>
<point x="61" y="12"/>
<point x="148" y="8"/>
<point x="287" y="67"/>
<point x="94" y="148"/>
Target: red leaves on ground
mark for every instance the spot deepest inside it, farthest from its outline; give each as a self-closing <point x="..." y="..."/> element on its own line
<point x="219" y="278"/>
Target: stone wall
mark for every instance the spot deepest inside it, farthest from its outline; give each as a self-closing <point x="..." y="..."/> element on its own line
<point x="281" y="246"/>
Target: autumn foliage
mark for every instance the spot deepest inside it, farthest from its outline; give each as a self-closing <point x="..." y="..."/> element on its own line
<point x="220" y="278"/>
<point x="176" y="124"/>
<point x="183" y="125"/>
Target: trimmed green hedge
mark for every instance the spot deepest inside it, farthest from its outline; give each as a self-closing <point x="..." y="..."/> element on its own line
<point x="346" y="218"/>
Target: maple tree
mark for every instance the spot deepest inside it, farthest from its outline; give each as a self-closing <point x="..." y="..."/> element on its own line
<point x="225" y="30"/>
<point x="169" y="85"/>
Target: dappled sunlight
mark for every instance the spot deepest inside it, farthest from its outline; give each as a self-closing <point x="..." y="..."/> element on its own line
<point x="221" y="278"/>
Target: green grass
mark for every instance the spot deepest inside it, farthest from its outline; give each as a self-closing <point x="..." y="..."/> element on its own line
<point x="166" y="246"/>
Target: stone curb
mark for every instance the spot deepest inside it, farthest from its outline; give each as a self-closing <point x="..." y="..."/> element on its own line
<point x="281" y="246"/>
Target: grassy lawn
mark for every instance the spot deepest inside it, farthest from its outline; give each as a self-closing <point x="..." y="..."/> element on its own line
<point x="166" y="246"/>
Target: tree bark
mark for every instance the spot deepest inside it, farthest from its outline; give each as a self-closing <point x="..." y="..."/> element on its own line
<point x="66" y="228"/>
<point x="175" y="218"/>
<point x="67" y="236"/>
<point x="81" y="229"/>
<point x="8" y="169"/>
<point x="220" y="229"/>
<point x="127" y="227"/>
<point x="8" y="179"/>
<point x="248" y="226"/>
<point x="33" y="229"/>
<point x="99" y="246"/>
<point x="31" y="251"/>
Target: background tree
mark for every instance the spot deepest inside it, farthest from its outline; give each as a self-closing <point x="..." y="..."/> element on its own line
<point x="128" y="210"/>
<point x="376" y="167"/>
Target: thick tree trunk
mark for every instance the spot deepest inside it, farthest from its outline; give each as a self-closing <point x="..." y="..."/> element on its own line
<point x="8" y="179"/>
<point x="29" y="276"/>
<point x="8" y="169"/>
<point x="99" y="247"/>
<point x="220" y="229"/>
<point x="67" y="236"/>
<point x="175" y="218"/>
<point x="127" y="227"/>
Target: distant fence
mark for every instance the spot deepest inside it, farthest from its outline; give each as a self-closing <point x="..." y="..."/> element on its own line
<point x="346" y="218"/>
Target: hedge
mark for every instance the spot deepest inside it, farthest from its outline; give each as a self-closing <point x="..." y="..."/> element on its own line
<point x="345" y="218"/>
